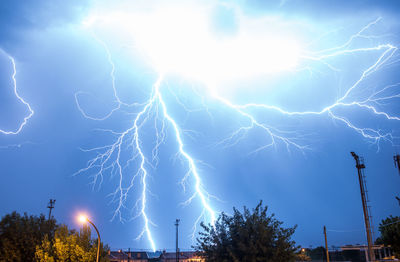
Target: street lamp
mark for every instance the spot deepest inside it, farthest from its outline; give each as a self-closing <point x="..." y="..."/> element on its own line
<point x="84" y="219"/>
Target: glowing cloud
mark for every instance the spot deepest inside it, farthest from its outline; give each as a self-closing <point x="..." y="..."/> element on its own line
<point x="179" y="40"/>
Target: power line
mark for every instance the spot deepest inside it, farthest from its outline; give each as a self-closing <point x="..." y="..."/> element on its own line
<point x="388" y="224"/>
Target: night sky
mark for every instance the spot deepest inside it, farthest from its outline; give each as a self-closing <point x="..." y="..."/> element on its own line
<point x="268" y="100"/>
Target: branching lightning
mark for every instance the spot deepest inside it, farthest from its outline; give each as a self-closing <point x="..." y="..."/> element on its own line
<point x="110" y="158"/>
<point x="31" y="112"/>
<point x="376" y="97"/>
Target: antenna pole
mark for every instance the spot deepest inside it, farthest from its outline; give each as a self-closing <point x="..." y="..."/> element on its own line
<point x="177" y="248"/>
<point x="50" y="206"/>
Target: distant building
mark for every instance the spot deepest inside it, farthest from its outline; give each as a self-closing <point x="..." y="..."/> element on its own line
<point x="129" y="256"/>
<point x="381" y="252"/>
<point x="183" y="257"/>
<point x="134" y="256"/>
<point x="349" y="253"/>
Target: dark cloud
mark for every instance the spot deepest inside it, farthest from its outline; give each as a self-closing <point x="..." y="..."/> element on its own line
<point x="19" y="16"/>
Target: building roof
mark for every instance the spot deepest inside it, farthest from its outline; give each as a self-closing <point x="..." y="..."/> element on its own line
<point x="125" y="255"/>
<point x="155" y="254"/>
<point x="182" y="255"/>
<point x="360" y="247"/>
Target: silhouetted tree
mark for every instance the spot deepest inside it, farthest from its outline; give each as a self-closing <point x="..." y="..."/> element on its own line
<point x="247" y="236"/>
<point x="70" y="246"/>
<point x="390" y="233"/>
<point x="19" y="236"/>
<point x="31" y="238"/>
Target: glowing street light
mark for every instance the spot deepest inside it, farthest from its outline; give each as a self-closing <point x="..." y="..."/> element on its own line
<point x="84" y="219"/>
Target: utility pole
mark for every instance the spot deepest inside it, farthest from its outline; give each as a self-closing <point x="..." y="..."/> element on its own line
<point x="177" y="248"/>
<point x="51" y="206"/>
<point x="360" y="166"/>
<point x="326" y="245"/>
<point x="396" y="159"/>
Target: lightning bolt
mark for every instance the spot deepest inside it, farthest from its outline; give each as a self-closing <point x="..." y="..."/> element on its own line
<point x="376" y="97"/>
<point x="31" y="112"/>
<point x="110" y="158"/>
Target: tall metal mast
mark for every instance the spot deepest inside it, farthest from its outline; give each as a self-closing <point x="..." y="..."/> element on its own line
<point x="360" y="166"/>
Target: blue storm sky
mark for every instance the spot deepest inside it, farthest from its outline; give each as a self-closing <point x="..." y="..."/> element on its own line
<point x="56" y="58"/>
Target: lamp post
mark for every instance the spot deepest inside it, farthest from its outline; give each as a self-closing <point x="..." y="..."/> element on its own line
<point x="84" y="219"/>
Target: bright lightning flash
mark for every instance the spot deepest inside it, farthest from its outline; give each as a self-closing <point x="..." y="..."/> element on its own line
<point x="179" y="41"/>
<point x="31" y="112"/>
